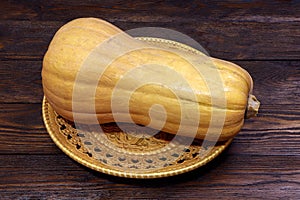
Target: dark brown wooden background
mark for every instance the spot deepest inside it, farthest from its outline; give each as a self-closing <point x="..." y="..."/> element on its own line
<point x="263" y="161"/>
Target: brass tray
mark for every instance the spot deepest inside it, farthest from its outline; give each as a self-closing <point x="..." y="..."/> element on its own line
<point x="104" y="155"/>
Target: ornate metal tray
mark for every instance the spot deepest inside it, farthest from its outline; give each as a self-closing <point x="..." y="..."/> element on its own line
<point x="103" y="153"/>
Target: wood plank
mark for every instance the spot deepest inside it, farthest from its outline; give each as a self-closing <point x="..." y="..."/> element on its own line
<point x="229" y="176"/>
<point x="24" y="40"/>
<point x="21" y="81"/>
<point x="276" y="131"/>
<point x="152" y="10"/>
<point x="233" y="39"/>
<point x="22" y="130"/>
<point x="275" y="82"/>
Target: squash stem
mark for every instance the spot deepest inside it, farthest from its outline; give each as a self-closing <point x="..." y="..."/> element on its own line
<point x="253" y="106"/>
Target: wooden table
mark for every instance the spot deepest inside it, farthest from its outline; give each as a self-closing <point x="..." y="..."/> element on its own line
<point x="263" y="162"/>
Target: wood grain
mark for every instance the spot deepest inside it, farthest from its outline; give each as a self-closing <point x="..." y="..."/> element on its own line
<point x="57" y="176"/>
<point x="226" y="40"/>
<point x="61" y="10"/>
<point x="245" y="30"/>
<point x="261" y="163"/>
<point x="21" y="82"/>
<point x="22" y="130"/>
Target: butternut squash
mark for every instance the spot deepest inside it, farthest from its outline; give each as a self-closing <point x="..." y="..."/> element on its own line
<point x="75" y="41"/>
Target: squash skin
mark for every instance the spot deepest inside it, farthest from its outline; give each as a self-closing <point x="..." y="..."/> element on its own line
<point x="74" y="41"/>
